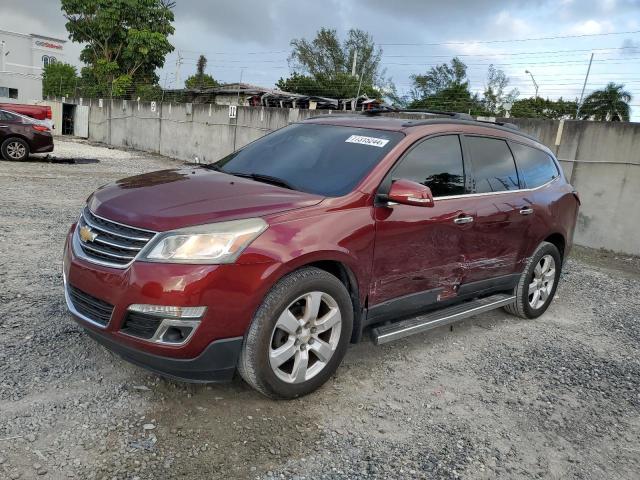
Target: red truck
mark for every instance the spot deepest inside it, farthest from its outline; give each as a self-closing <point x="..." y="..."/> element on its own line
<point x="39" y="112"/>
<point x="271" y="260"/>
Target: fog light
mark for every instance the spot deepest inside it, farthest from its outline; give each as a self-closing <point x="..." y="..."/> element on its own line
<point x="176" y="334"/>
<point x="167" y="311"/>
<point x="176" y="324"/>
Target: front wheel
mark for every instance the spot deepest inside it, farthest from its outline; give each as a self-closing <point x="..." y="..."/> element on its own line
<point x="298" y="336"/>
<point x="538" y="282"/>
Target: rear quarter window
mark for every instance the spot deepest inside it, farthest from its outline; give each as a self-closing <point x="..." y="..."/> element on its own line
<point x="534" y="166"/>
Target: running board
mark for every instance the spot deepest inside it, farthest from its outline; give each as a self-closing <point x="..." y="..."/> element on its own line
<point x="446" y="316"/>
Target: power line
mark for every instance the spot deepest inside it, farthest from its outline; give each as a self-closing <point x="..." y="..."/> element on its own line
<point x="472" y="42"/>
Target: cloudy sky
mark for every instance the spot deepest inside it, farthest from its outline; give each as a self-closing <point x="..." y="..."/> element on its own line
<point x="254" y="35"/>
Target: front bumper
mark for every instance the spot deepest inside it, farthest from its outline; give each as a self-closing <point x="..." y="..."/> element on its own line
<point x="217" y="363"/>
<point x="231" y="293"/>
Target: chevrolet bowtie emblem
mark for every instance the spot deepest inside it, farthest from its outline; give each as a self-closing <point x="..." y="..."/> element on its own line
<point x="86" y="234"/>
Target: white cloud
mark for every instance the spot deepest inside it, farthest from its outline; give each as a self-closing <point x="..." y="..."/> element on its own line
<point x="511" y="24"/>
<point x="591" y="27"/>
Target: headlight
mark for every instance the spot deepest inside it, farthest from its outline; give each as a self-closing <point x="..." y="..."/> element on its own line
<point x="214" y="243"/>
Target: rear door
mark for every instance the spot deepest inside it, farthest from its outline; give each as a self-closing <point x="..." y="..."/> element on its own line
<point x="420" y="251"/>
<point x="536" y="169"/>
<point x="501" y="226"/>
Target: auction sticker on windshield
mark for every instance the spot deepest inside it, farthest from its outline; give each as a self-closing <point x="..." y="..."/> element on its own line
<point x="371" y="141"/>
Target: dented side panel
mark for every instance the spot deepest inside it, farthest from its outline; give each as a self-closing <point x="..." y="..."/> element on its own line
<point x="419" y="249"/>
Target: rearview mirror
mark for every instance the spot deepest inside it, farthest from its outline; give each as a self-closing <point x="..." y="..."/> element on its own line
<point x="410" y="193"/>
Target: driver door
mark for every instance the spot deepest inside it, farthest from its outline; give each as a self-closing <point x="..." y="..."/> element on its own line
<point x="419" y="253"/>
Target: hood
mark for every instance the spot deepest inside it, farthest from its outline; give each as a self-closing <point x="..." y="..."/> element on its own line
<point x="177" y="198"/>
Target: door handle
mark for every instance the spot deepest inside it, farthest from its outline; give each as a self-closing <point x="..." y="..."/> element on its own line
<point x="526" y="211"/>
<point x="463" y="220"/>
<point x="4" y="126"/>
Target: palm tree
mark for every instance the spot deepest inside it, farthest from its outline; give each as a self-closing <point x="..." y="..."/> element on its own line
<point x="611" y="104"/>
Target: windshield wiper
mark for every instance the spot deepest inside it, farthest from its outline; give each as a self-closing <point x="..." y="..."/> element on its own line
<point x="259" y="177"/>
<point x="212" y="166"/>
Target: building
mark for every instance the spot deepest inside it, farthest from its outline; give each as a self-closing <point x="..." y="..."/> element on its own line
<point x="22" y="58"/>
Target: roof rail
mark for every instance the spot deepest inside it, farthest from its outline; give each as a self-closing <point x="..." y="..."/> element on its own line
<point x="454" y="115"/>
<point x="512" y="126"/>
<point x="387" y="109"/>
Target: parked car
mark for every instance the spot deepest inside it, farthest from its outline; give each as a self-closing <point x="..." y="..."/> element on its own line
<point x="39" y="112"/>
<point x="20" y="136"/>
<point x="271" y="260"/>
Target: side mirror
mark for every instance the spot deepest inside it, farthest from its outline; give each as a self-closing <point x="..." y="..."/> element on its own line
<point x="407" y="192"/>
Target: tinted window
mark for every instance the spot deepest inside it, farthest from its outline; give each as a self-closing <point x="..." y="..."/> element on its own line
<point x="323" y="159"/>
<point x="534" y="166"/>
<point x="9" y="117"/>
<point x="493" y="165"/>
<point x="436" y="163"/>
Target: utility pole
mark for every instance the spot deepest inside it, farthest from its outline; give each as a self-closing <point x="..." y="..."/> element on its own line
<point x="355" y="62"/>
<point x="235" y="128"/>
<point x="2" y="56"/>
<point x="586" y="78"/>
<point x="359" y="86"/>
<point x="533" y="80"/>
<point x="178" y="65"/>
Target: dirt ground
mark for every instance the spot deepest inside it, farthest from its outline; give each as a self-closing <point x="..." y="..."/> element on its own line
<point x="494" y="397"/>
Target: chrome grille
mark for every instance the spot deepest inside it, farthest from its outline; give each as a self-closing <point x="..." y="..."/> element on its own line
<point x="113" y="244"/>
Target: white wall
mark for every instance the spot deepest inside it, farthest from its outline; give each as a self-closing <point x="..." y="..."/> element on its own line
<point x="29" y="87"/>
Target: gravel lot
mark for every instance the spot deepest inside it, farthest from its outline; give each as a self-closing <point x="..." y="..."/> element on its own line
<point x="495" y="397"/>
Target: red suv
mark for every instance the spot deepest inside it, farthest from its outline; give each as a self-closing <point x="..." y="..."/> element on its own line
<point x="271" y="260"/>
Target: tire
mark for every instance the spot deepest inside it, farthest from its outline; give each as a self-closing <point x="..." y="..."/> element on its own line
<point x="527" y="304"/>
<point x="15" y="148"/>
<point x="273" y="335"/>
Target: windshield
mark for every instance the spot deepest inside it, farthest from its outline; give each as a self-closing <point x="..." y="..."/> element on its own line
<point x="326" y="160"/>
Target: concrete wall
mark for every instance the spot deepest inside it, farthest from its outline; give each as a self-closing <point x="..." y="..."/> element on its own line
<point x="602" y="160"/>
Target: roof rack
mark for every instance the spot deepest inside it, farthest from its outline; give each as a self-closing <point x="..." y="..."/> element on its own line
<point x="501" y="124"/>
<point x="453" y="115"/>
<point x="387" y="109"/>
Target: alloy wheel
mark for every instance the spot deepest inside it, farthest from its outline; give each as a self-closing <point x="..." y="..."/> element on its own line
<point x="305" y="337"/>
<point x="544" y="276"/>
<point x="16" y="150"/>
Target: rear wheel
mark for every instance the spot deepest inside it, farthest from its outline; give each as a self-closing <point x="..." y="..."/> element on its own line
<point x="15" y="149"/>
<point x="538" y="282"/>
<point x="298" y="336"/>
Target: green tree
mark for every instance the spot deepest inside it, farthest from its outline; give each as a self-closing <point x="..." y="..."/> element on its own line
<point x="445" y="87"/>
<point x="439" y="78"/>
<point x="495" y="95"/>
<point x="611" y="104"/>
<point x="323" y="65"/>
<point x="201" y="80"/>
<point x="454" y="98"/>
<point x="125" y="41"/>
<point x="59" y="79"/>
<point x="341" y="85"/>
<point x="538" y="107"/>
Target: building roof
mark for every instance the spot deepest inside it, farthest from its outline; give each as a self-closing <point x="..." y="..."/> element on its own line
<point x="29" y="35"/>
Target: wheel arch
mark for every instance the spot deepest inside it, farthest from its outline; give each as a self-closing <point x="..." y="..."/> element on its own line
<point x="560" y="243"/>
<point x="342" y="266"/>
<point x="347" y="277"/>
<point x="17" y="135"/>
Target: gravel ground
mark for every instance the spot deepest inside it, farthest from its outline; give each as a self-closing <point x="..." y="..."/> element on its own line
<point x="494" y="397"/>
